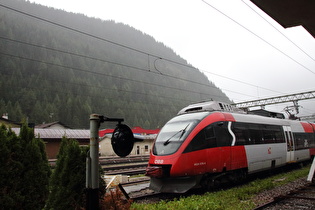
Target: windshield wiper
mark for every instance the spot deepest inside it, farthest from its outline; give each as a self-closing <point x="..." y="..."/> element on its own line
<point x="182" y="131"/>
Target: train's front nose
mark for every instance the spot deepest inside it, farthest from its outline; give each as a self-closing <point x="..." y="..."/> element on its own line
<point x="160" y="166"/>
<point x="158" y="171"/>
<point x="166" y="166"/>
<point x="163" y="179"/>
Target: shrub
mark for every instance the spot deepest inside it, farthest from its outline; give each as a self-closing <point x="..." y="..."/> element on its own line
<point x="114" y="200"/>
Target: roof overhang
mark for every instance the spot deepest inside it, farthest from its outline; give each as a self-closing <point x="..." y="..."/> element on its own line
<point x="290" y="13"/>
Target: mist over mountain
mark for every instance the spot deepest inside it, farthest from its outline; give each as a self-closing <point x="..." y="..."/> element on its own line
<point x="60" y="66"/>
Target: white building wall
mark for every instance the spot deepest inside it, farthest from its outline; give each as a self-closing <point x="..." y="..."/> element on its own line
<point x="139" y="148"/>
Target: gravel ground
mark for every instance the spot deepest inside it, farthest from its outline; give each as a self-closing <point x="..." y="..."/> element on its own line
<point x="268" y="195"/>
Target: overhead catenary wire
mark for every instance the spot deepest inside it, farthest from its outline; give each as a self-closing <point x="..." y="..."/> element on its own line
<point x="308" y="55"/>
<point x="259" y="37"/>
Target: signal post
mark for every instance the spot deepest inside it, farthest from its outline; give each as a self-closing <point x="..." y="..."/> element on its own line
<point x="122" y="142"/>
<point x="92" y="164"/>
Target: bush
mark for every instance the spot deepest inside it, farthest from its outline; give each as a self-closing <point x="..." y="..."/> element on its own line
<point x="114" y="200"/>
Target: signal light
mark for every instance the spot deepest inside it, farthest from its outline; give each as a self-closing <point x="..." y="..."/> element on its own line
<point x="122" y="140"/>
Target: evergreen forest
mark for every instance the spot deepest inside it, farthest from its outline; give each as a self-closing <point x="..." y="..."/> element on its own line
<point x="61" y="66"/>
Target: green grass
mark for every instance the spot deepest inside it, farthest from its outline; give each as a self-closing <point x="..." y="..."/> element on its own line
<point x="234" y="198"/>
<point x="138" y="175"/>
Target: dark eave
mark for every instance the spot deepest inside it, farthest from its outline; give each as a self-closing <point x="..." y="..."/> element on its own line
<point x="290" y="13"/>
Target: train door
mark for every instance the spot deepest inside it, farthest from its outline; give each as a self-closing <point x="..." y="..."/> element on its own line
<point x="289" y="140"/>
<point x="194" y="158"/>
<point x="220" y="147"/>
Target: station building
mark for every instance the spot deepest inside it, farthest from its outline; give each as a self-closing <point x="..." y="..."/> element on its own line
<point x="142" y="146"/>
<point x="143" y="141"/>
<point x="52" y="134"/>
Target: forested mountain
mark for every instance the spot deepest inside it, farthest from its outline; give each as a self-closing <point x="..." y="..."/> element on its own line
<point x="60" y="66"/>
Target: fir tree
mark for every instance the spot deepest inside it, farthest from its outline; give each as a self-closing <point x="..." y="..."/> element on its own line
<point x="68" y="179"/>
<point x="36" y="173"/>
<point x="10" y="170"/>
<point x="24" y="170"/>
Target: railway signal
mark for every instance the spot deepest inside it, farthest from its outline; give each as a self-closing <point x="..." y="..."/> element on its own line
<point x="122" y="140"/>
<point x="122" y="143"/>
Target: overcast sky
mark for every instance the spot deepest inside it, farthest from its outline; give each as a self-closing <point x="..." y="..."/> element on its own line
<point x="240" y="48"/>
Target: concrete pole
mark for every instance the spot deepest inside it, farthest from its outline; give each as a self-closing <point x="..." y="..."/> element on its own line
<point x="93" y="180"/>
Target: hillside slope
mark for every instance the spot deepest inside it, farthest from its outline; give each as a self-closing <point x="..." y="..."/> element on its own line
<point x="62" y="66"/>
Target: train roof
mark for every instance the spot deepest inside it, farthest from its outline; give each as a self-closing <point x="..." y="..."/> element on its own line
<point x="225" y="107"/>
<point x="210" y="106"/>
<point x="241" y="116"/>
<point x="266" y="113"/>
<point x="253" y="118"/>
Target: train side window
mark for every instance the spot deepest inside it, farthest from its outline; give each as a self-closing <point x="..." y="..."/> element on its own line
<point x="222" y="134"/>
<point x="206" y="138"/>
<point x="302" y="140"/>
<point x="240" y="136"/>
<point x="251" y="133"/>
<point x="273" y="134"/>
<point x="240" y="131"/>
<point x="255" y="136"/>
<point x="197" y="143"/>
<point x="255" y="133"/>
<point x="209" y="132"/>
<point x="210" y="136"/>
<point x="268" y="135"/>
<point x="279" y="136"/>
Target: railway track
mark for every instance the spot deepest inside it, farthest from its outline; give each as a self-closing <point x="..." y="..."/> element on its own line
<point x="118" y="160"/>
<point x="301" y="198"/>
<point x="130" y="165"/>
<point x="125" y="169"/>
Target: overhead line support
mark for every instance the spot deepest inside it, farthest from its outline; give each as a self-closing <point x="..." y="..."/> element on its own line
<point x="276" y="100"/>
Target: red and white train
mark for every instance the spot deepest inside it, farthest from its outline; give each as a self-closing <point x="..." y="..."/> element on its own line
<point x="210" y="142"/>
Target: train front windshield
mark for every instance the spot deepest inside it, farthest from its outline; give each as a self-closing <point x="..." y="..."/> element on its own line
<point x="175" y="132"/>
